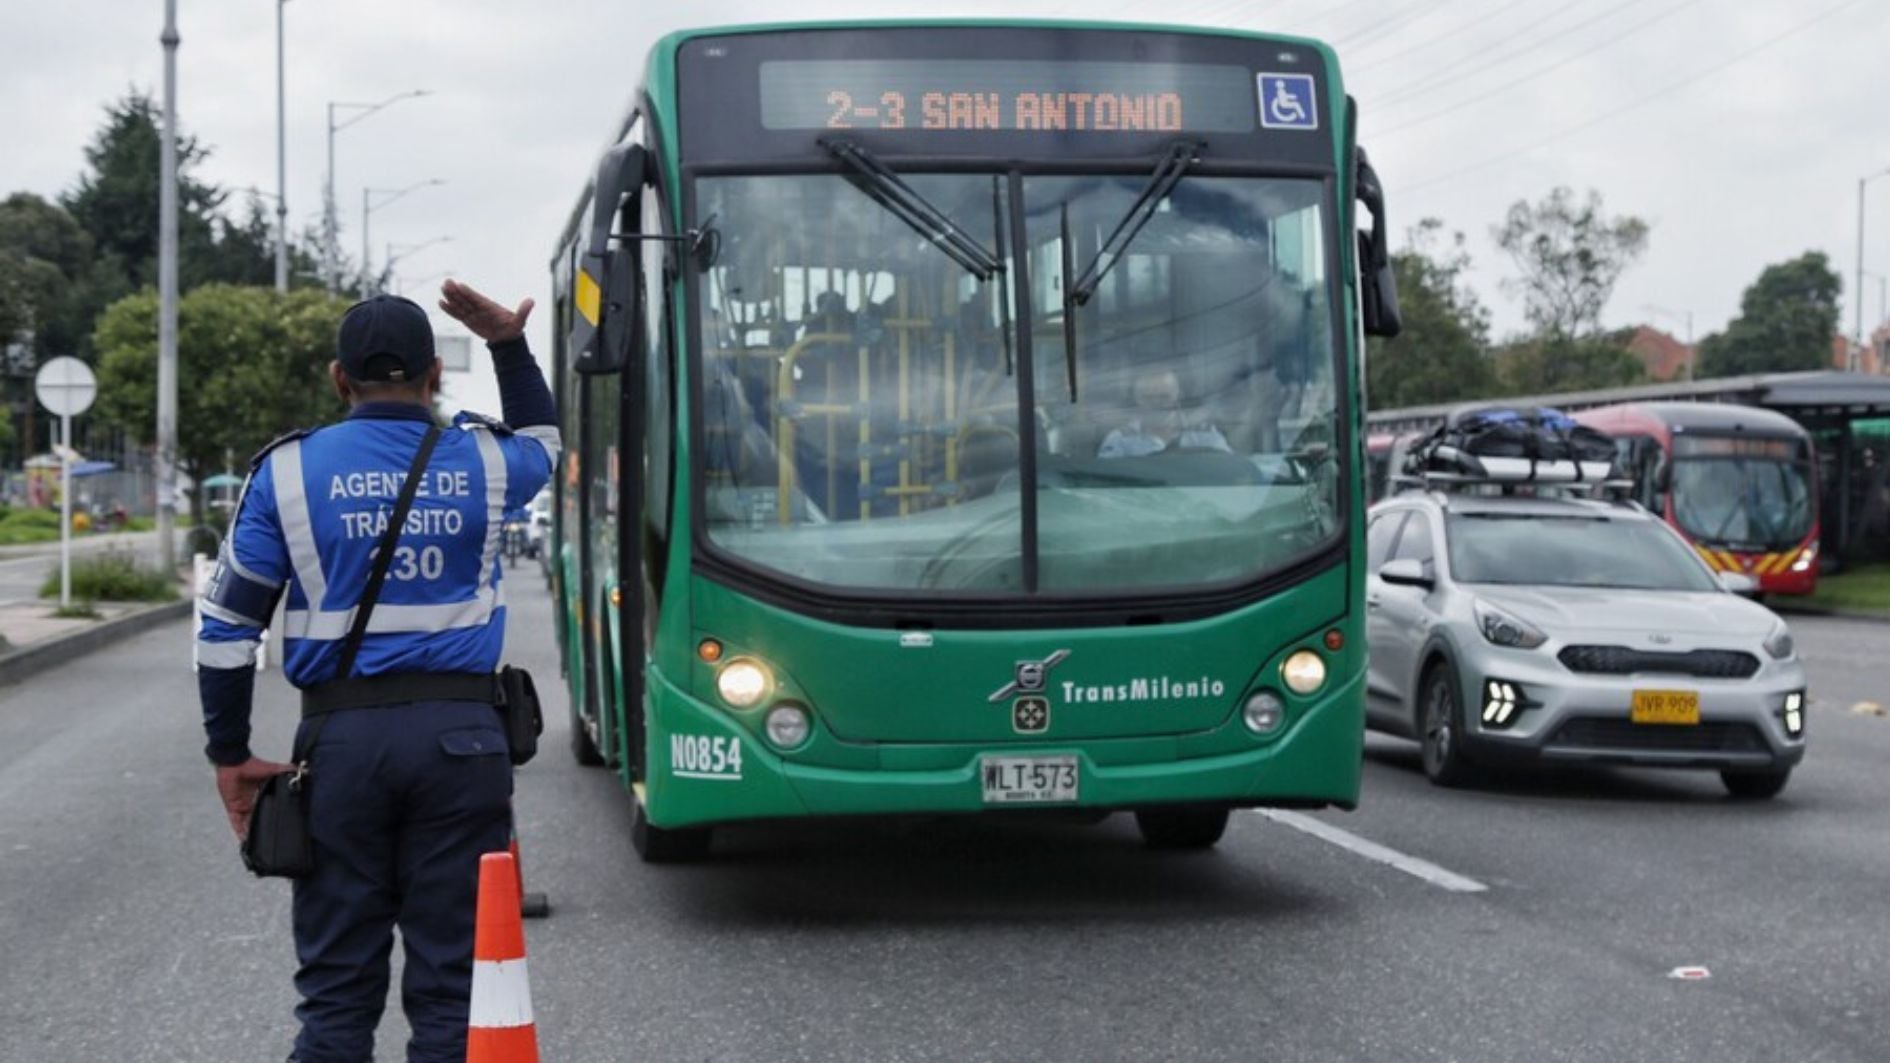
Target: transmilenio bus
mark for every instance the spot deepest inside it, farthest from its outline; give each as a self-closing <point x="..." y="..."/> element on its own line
<point x="1737" y="481"/>
<point x="966" y="417"/>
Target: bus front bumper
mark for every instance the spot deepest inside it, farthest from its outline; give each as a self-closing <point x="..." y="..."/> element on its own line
<point x="707" y="767"/>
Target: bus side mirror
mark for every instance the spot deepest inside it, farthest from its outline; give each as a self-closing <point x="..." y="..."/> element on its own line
<point x="1378" y="288"/>
<point x="606" y="292"/>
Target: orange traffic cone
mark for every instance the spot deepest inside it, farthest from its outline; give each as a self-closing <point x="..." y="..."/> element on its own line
<point x="500" y="1028"/>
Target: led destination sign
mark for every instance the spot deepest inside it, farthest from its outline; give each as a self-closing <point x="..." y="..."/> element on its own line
<point x="1029" y="95"/>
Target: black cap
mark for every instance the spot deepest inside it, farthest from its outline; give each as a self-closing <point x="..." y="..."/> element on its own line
<point x="385" y="338"/>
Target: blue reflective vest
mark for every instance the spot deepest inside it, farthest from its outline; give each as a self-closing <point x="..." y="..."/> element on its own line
<point x="311" y="517"/>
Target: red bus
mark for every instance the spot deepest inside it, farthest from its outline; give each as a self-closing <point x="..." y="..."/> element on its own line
<point x="1740" y="483"/>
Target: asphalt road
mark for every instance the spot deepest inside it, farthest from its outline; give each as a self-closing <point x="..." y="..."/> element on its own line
<point x="131" y="932"/>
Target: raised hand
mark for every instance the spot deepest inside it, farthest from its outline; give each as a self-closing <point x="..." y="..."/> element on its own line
<point x="487" y="319"/>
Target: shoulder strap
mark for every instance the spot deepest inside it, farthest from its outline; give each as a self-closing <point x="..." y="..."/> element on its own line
<point x="384" y="556"/>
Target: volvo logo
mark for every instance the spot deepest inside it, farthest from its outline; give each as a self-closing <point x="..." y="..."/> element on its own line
<point x="1029" y="677"/>
<point x="1661" y="640"/>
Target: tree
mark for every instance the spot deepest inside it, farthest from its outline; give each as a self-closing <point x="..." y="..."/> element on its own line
<point x="1559" y="363"/>
<point x="1570" y="255"/>
<point x="43" y="254"/>
<point x="1443" y="353"/>
<point x="117" y="199"/>
<point x="251" y="365"/>
<point x="1786" y="320"/>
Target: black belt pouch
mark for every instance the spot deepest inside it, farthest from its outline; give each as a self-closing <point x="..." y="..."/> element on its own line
<point x="524" y="721"/>
<point x="278" y="844"/>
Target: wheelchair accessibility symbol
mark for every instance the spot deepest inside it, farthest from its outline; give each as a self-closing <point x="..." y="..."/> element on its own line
<point x="1287" y="102"/>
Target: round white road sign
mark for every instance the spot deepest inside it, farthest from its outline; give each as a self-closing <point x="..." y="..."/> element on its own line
<point x="65" y="386"/>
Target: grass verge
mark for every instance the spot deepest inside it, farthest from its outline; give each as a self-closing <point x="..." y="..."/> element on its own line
<point x="1865" y="589"/>
<point x="112" y="576"/>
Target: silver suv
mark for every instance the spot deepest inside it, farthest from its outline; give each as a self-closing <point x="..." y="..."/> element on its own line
<point x="1508" y="628"/>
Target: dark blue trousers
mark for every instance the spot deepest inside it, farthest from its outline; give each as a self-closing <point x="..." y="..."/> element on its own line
<point x="403" y="802"/>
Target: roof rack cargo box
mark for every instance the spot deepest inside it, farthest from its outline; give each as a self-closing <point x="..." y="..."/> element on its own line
<point x="1516" y="445"/>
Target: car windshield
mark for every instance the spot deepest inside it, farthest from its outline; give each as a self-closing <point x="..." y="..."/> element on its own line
<point x="1537" y="550"/>
<point x="1756" y="503"/>
<point x="861" y="382"/>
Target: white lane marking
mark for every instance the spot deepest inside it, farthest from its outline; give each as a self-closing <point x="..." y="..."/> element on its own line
<point x="1371" y="850"/>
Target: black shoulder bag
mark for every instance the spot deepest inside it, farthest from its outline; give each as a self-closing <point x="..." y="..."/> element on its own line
<point x="279" y="844"/>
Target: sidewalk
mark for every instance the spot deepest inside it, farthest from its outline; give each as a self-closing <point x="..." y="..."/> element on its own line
<point x="33" y="639"/>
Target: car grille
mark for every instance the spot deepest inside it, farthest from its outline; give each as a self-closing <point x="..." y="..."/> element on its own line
<point x="1623" y="660"/>
<point x="1708" y="737"/>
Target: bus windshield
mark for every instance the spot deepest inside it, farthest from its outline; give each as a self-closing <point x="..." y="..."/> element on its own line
<point x="863" y="383"/>
<point x="1752" y="502"/>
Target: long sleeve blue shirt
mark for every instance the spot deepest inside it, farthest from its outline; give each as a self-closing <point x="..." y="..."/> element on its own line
<point x="312" y="515"/>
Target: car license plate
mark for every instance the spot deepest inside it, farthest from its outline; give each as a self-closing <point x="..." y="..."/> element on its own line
<point x="1665" y="707"/>
<point x="1029" y="780"/>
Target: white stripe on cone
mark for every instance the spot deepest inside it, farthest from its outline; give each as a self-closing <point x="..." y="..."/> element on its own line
<point x="501" y="994"/>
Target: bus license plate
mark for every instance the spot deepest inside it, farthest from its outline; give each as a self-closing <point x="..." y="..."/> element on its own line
<point x="1029" y="780"/>
<point x="1665" y="707"/>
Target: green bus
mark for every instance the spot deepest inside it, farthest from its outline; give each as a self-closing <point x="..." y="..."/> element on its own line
<point x="965" y="417"/>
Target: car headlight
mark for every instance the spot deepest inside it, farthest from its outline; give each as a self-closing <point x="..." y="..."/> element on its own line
<point x="1502" y="629"/>
<point x="743" y="682"/>
<point x="1779" y="642"/>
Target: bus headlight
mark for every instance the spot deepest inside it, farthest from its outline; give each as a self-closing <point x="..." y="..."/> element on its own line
<point x="1264" y="712"/>
<point x="787" y="726"/>
<point x="1806" y="558"/>
<point x="743" y="682"/>
<point x="1303" y="672"/>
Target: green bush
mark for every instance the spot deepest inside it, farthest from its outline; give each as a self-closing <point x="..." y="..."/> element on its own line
<point x="112" y="576"/>
<point x="32" y="518"/>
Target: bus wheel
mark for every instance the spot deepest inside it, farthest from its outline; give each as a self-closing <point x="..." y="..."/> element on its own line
<point x="659" y="845"/>
<point x="583" y="750"/>
<point x="1755" y="785"/>
<point x="1183" y="827"/>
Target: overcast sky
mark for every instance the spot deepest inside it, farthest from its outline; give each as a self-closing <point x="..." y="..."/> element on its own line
<point x="1737" y="128"/>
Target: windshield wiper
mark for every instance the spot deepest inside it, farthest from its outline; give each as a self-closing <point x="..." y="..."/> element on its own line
<point x="1168" y="173"/>
<point x="889" y="190"/>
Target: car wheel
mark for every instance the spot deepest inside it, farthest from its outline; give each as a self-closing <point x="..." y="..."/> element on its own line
<point x="1440" y="729"/>
<point x="1181" y="828"/>
<point x="1755" y="785"/>
<point x="660" y="845"/>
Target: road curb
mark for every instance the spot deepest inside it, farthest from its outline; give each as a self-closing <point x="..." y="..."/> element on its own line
<point x="31" y="659"/>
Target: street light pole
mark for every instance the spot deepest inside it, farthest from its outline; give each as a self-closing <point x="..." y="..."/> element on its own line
<point x="330" y="264"/>
<point x="331" y="224"/>
<point x="1692" y="352"/>
<point x="167" y="301"/>
<point x="282" y="163"/>
<point x="1858" y="292"/>
<point x="368" y="207"/>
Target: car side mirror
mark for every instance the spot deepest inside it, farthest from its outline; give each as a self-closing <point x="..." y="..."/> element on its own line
<point x="1405" y="572"/>
<point x="1738" y="583"/>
